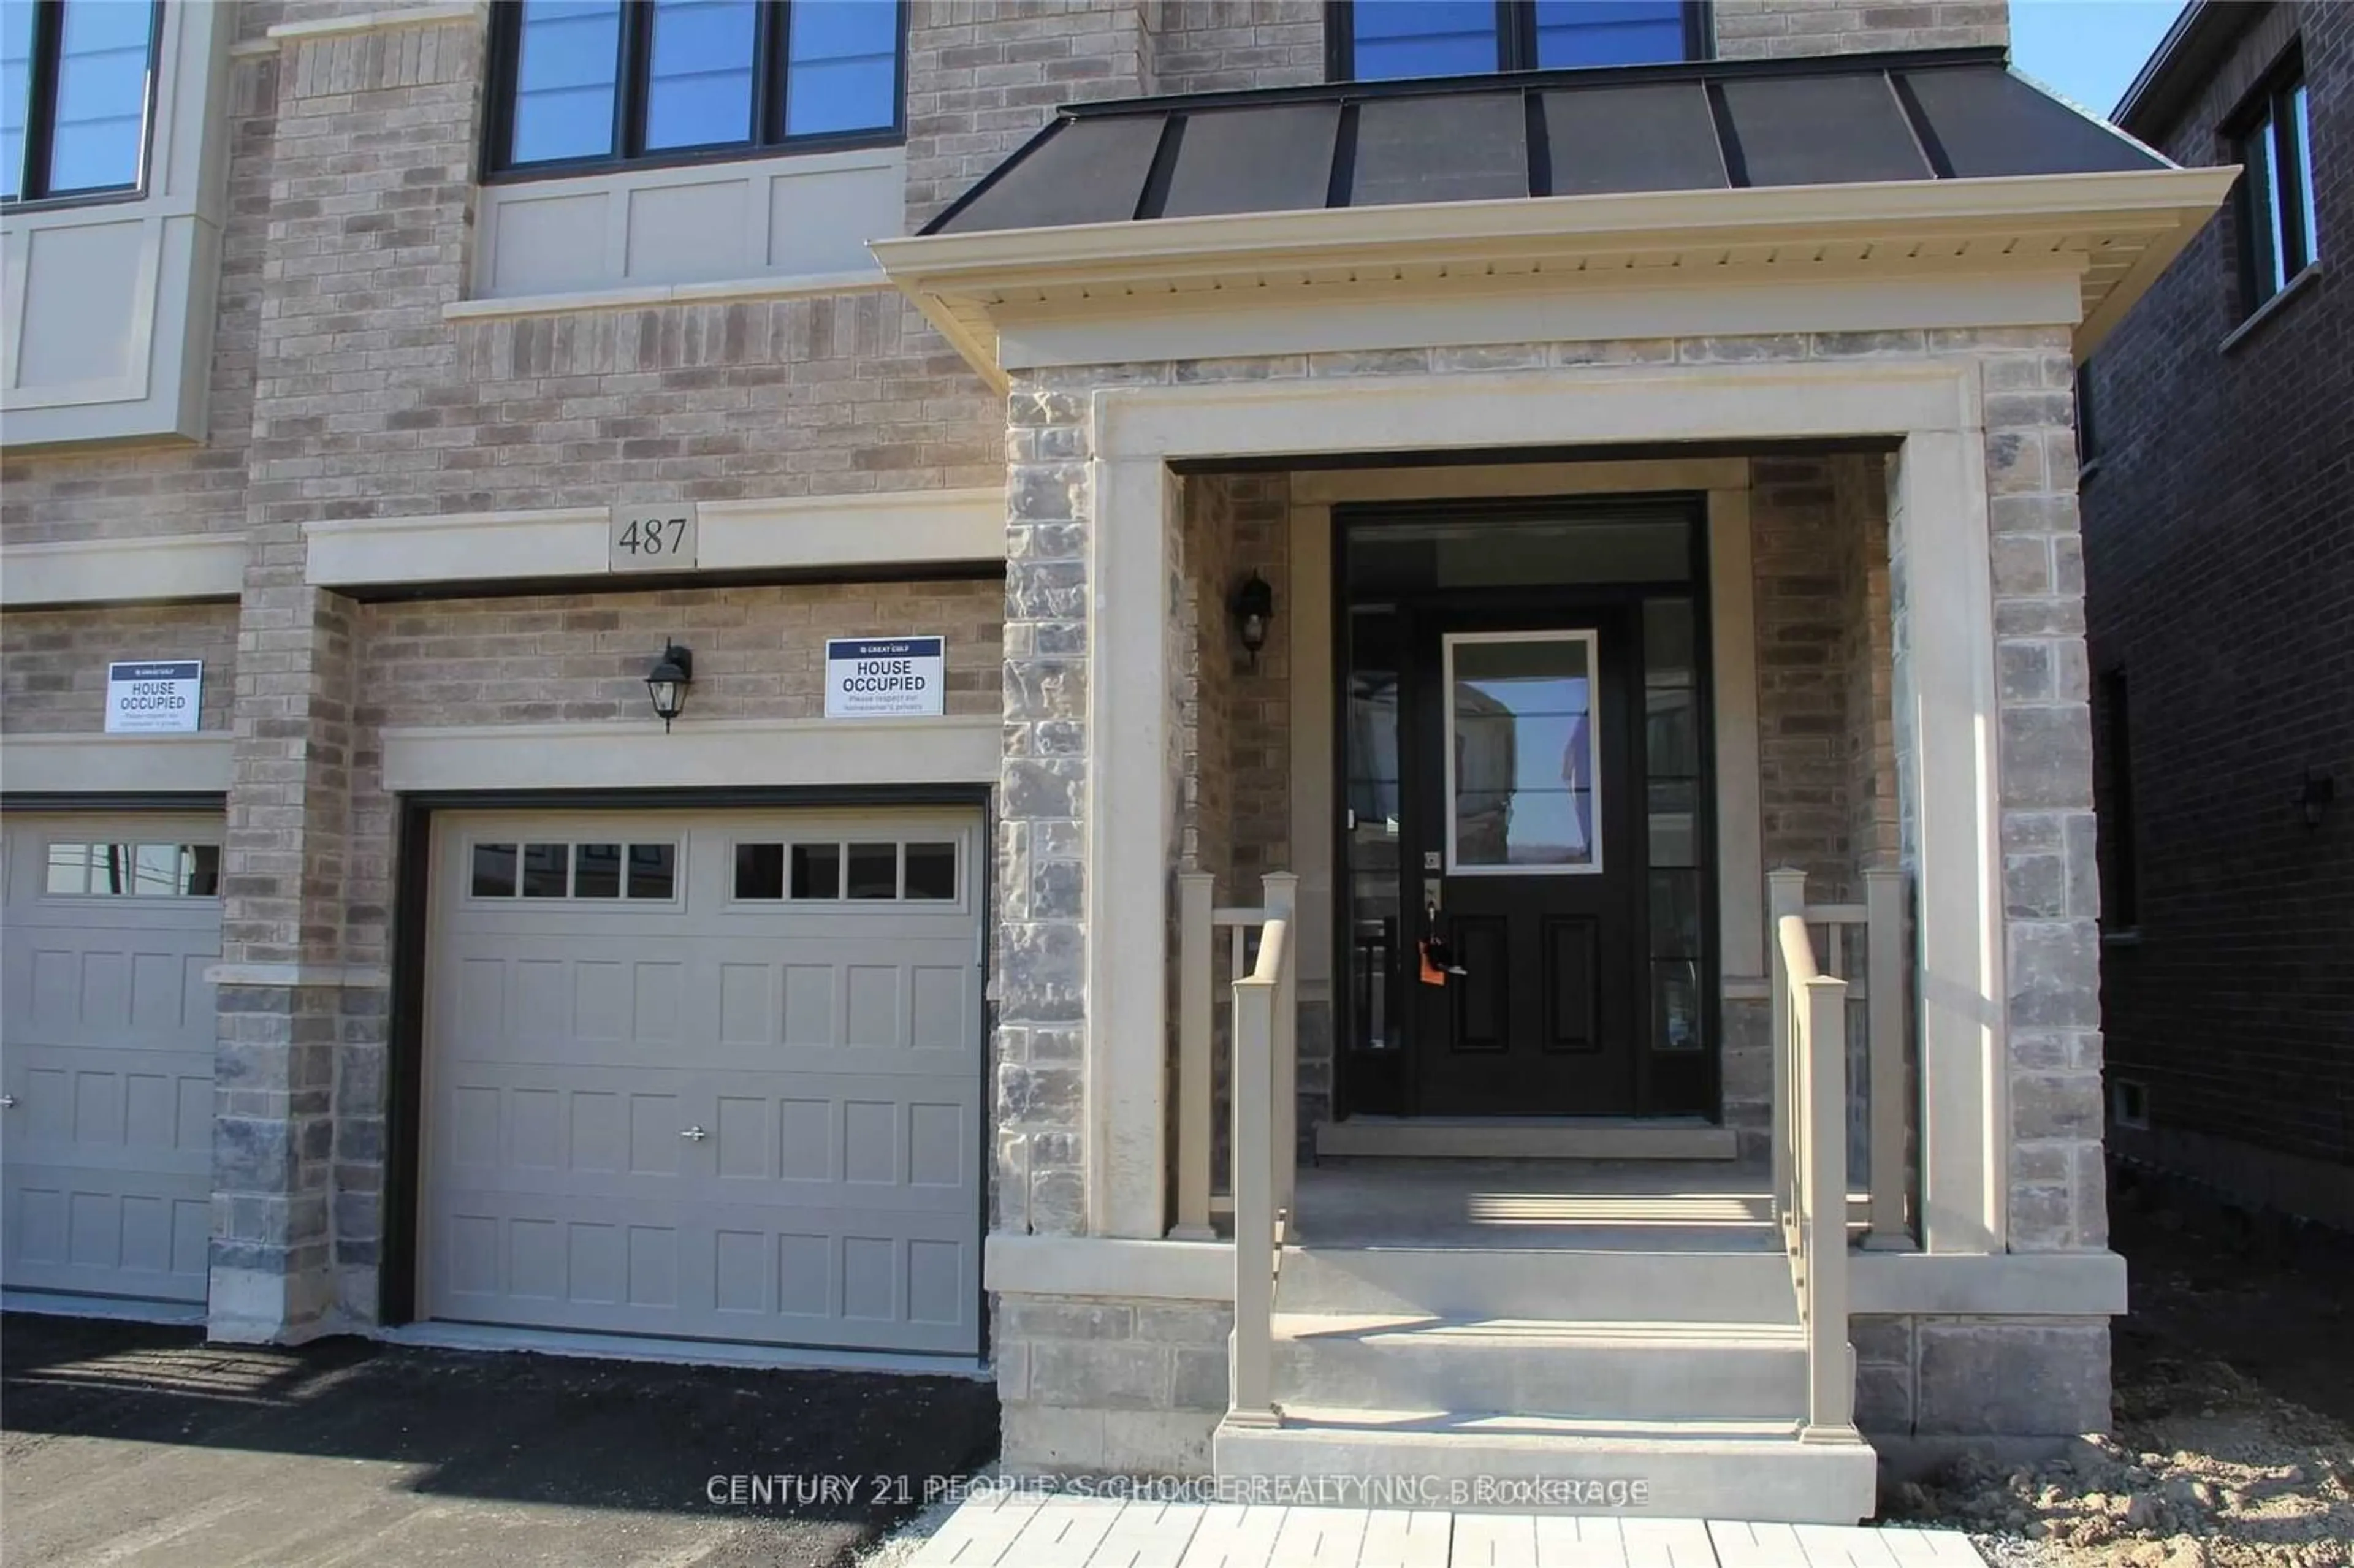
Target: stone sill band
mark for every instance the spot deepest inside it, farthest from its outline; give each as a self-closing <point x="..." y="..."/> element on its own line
<point x="724" y="292"/>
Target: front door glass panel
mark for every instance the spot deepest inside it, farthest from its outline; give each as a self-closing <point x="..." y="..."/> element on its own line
<point x="1370" y="825"/>
<point x="1524" y="753"/>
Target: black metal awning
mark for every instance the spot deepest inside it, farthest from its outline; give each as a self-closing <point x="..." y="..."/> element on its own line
<point x="1713" y="125"/>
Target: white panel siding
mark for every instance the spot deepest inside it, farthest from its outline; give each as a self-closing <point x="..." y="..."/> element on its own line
<point x="107" y="307"/>
<point x="776" y="217"/>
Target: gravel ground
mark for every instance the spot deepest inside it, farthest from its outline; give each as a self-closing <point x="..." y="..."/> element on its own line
<point x="2233" y="1375"/>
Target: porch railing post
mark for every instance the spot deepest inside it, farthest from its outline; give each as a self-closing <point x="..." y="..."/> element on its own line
<point x="1280" y="889"/>
<point x="1251" y="1384"/>
<point x="1883" y="902"/>
<point x="1196" y="895"/>
<point x="1786" y="893"/>
<point x="1830" y="1359"/>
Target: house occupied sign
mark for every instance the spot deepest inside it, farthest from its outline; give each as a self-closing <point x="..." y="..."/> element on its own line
<point x="162" y="696"/>
<point x="879" y="677"/>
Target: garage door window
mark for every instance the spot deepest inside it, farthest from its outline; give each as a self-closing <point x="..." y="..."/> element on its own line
<point x="79" y="869"/>
<point x="560" y="870"/>
<point x="921" y="871"/>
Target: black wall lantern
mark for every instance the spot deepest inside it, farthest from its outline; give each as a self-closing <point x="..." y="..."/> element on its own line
<point x="1254" y="607"/>
<point x="667" y="682"/>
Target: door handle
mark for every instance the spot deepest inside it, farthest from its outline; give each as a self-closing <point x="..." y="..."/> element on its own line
<point x="7" y="1102"/>
<point x="695" y="1135"/>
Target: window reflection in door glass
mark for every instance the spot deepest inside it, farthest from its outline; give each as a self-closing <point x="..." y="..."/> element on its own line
<point x="1375" y="895"/>
<point x="1520" y="720"/>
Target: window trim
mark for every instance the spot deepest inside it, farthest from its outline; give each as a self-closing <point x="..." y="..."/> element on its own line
<point x="2268" y="107"/>
<point x="1516" y="38"/>
<point x="41" y="113"/>
<point x="771" y="36"/>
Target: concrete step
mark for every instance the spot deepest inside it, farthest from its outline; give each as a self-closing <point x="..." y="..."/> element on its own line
<point x="1695" y="1469"/>
<point x="1495" y="1282"/>
<point x="1640" y="1371"/>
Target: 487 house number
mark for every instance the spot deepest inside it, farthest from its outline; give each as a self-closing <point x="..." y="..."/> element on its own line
<point x="654" y="535"/>
<point x="641" y="540"/>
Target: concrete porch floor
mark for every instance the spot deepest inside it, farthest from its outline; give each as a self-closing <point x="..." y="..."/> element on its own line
<point x="1543" y="1205"/>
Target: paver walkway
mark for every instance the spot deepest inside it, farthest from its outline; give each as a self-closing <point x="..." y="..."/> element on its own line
<point x="1018" y="1528"/>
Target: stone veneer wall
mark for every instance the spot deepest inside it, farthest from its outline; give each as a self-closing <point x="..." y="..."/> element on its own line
<point x="1957" y="1376"/>
<point x="1100" y="1385"/>
<point x="53" y="662"/>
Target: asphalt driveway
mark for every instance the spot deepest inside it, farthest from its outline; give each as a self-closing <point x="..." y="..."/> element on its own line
<point x="128" y="1445"/>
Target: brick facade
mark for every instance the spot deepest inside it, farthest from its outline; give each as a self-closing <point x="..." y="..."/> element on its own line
<point x="2220" y="588"/>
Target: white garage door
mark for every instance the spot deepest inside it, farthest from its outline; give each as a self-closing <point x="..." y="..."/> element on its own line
<point x="106" y="1053"/>
<point x="709" y="1073"/>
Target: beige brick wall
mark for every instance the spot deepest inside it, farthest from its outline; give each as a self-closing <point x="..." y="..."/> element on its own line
<point x="53" y="662"/>
<point x="1798" y="559"/>
<point x="1869" y="739"/>
<point x="983" y="74"/>
<point x="1226" y="46"/>
<point x="1749" y="29"/>
<point x="759" y="652"/>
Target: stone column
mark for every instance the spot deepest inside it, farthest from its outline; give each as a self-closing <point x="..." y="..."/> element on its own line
<point x="371" y="164"/>
<point x="2058" y="1181"/>
<point x="280" y="975"/>
<point x="1944" y="721"/>
<point x="1041" y="1089"/>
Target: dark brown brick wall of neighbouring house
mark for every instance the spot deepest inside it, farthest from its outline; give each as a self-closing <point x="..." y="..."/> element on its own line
<point x="2219" y="542"/>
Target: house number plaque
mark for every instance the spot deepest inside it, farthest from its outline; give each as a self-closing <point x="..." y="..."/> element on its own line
<point x="654" y="537"/>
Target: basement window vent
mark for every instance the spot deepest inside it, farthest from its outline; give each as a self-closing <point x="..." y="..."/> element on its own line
<point x="2129" y="1104"/>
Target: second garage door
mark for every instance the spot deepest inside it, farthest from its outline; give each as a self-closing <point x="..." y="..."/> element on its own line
<point x="107" y="1033"/>
<point x="709" y="1074"/>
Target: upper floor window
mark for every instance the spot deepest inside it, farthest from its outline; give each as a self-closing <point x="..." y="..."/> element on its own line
<point x="74" y="91"/>
<point x="2277" y="239"/>
<point x="588" y="82"/>
<point x="1380" y="39"/>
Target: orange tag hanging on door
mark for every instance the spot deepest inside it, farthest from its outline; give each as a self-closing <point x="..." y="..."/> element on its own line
<point x="1431" y="973"/>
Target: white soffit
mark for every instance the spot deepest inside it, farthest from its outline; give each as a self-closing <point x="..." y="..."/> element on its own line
<point x="815" y="532"/>
<point x="2106" y="236"/>
<point x="123" y="571"/>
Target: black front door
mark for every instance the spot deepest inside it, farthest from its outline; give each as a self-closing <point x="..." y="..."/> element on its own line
<point x="1525" y="863"/>
<point x="1525" y="781"/>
